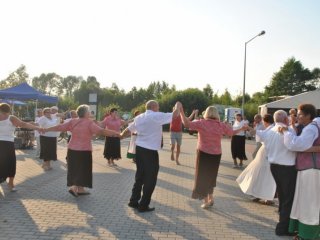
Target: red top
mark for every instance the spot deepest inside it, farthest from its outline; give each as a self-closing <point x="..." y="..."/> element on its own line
<point x="210" y="132"/>
<point x="112" y="123"/>
<point x="176" y="125"/>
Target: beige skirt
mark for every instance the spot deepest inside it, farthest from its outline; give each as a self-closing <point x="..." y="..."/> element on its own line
<point x="306" y="203"/>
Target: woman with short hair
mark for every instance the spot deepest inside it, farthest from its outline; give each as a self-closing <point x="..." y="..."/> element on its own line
<point x="238" y="142"/>
<point x="48" y="140"/>
<point x="210" y="131"/>
<point x="80" y="149"/>
<point x="8" y="124"/>
<point x="112" y="147"/>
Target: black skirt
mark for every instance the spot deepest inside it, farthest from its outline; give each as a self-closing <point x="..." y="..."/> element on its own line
<point x="207" y="166"/>
<point x="8" y="160"/>
<point x="48" y="148"/>
<point x="79" y="168"/>
<point x="238" y="147"/>
<point x="112" y="148"/>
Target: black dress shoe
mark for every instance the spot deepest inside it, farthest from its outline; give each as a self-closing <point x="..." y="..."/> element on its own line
<point x="146" y="209"/>
<point x="133" y="205"/>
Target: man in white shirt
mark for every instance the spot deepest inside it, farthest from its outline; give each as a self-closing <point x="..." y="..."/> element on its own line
<point x="258" y="125"/>
<point x="148" y="127"/>
<point x="282" y="167"/>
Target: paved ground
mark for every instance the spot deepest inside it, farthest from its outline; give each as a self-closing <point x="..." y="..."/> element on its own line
<point x="43" y="209"/>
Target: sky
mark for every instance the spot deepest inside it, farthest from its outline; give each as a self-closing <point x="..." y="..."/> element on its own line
<point x="187" y="43"/>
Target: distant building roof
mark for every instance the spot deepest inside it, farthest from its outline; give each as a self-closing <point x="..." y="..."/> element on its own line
<point x="312" y="97"/>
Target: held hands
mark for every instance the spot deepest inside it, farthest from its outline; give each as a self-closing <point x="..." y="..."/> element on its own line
<point x="282" y="129"/>
<point x="41" y="130"/>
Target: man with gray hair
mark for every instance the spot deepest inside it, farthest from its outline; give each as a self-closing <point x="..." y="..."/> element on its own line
<point x="148" y="127"/>
<point x="282" y="164"/>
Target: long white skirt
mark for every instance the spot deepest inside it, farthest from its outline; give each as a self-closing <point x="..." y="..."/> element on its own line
<point x="306" y="203"/>
<point x="256" y="179"/>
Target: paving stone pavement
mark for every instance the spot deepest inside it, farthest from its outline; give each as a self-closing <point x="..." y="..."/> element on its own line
<point x="43" y="209"/>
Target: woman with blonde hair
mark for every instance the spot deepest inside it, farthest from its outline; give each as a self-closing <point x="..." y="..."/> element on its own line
<point x="210" y="131"/>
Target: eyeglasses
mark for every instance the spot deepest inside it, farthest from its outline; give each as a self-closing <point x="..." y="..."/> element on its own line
<point x="47" y="112"/>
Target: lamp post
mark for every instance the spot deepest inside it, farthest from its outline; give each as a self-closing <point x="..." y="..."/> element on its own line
<point x="244" y="71"/>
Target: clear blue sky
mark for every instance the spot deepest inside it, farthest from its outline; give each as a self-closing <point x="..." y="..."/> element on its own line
<point x="188" y="43"/>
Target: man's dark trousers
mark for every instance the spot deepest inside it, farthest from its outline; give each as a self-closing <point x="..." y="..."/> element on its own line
<point x="285" y="178"/>
<point x="147" y="162"/>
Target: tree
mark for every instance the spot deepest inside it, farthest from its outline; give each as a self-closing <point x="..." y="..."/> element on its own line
<point x="69" y="84"/>
<point x="91" y="85"/>
<point x="226" y="98"/>
<point x="49" y="83"/>
<point x="316" y="77"/>
<point x="15" y="78"/>
<point x="208" y="91"/>
<point x="191" y="98"/>
<point x="292" y="79"/>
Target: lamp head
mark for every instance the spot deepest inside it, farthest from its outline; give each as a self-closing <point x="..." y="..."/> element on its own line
<point x="262" y="33"/>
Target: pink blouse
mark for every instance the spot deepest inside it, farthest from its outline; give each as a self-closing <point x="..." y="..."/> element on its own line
<point x="210" y="132"/>
<point x="112" y="123"/>
<point x="82" y="130"/>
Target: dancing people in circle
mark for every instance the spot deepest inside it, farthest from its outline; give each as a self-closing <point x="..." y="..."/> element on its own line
<point x="80" y="149"/>
<point x="8" y="162"/>
<point x="112" y="147"/>
<point x="148" y="127"/>
<point x="238" y="142"/>
<point x="210" y="131"/>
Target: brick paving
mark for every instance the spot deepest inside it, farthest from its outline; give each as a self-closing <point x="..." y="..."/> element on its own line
<point x="43" y="209"/>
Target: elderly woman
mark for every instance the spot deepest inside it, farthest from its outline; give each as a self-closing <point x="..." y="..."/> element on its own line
<point x="210" y="131"/>
<point x="238" y="142"/>
<point x="304" y="217"/>
<point x="48" y="140"/>
<point x="8" y="123"/>
<point x="112" y="147"/>
<point x="80" y="149"/>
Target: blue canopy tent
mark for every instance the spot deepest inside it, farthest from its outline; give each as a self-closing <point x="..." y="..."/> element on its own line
<point x="13" y="102"/>
<point x="24" y="91"/>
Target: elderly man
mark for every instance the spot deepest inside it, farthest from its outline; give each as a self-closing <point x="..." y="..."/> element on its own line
<point x="257" y="121"/>
<point x="148" y="127"/>
<point x="282" y="163"/>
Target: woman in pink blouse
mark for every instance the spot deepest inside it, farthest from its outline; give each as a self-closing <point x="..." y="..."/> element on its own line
<point x="210" y="131"/>
<point x="112" y="147"/>
<point x="80" y="149"/>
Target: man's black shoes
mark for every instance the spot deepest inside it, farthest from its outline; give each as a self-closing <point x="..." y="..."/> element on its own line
<point x="133" y="205"/>
<point x="145" y="209"/>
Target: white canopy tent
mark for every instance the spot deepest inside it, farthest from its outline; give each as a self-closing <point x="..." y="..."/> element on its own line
<point x="312" y="97"/>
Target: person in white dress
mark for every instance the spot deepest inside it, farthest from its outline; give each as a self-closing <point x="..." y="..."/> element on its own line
<point x="304" y="217"/>
<point x="256" y="179"/>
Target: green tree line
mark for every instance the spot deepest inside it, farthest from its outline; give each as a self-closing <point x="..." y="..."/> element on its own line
<point x="291" y="79"/>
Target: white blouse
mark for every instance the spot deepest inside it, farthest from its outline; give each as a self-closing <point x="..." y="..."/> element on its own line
<point x="45" y="122"/>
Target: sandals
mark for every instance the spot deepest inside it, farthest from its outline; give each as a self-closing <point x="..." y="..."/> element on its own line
<point x="11" y="188"/>
<point x="72" y="192"/>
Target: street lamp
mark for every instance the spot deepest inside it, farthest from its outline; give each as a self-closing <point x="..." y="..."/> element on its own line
<point x="244" y="72"/>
